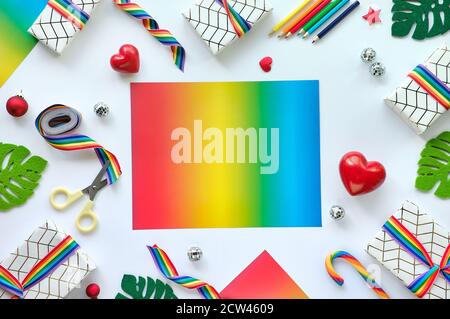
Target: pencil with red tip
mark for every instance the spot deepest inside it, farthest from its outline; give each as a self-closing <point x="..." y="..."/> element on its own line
<point x="308" y="17"/>
<point x="336" y="21"/>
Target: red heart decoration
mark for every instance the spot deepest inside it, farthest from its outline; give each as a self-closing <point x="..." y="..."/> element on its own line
<point x="127" y="60"/>
<point x="266" y="63"/>
<point x="360" y="176"/>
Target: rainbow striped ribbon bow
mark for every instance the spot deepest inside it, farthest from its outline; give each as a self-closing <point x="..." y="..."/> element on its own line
<point x="163" y="36"/>
<point x="422" y="284"/>
<point x="45" y="267"/>
<point x="165" y="265"/>
<point x="431" y="84"/>
<point x="70" y="11"/>
<point x="240" y="25"/>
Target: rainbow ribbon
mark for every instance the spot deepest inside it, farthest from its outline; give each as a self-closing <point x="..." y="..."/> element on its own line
<point x="340" y="254"/>
<point x="75" y="142"/>
<point x="432" y="85"/>
<point x="422" y="284"/>
<point x="45" y="267"/>
<point x="165" y="265"/>
<point x="70" y="11"/>
<point x="163" y="36"/>
<point x="240" y="25"/>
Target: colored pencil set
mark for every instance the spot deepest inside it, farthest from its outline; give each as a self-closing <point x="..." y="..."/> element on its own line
<point x="310" y="15"/>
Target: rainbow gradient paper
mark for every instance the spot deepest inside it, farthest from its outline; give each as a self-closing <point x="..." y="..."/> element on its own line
<point x="263" y="279"/>
<point x="16" y="16"/>
<point x="168" y="195"/>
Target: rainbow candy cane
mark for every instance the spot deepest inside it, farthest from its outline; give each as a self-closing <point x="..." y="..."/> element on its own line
<point x="340" y="254"/>
<point x="165" y="265"/>
<point x="163" y="36"/>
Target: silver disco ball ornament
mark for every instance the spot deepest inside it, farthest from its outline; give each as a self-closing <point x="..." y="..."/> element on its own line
<point x="368" y="55"/>
<point x="101" y="109"/>
<point x="377" y="70"/>
<point x="195" y="254"/>
<point x="337" y="212"/>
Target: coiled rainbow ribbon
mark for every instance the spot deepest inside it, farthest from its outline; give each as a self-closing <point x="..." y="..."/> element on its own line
<point x="422" y="284"/>
<point x="340" y="254"/>
<point x="240" y="25"/>
<point x="54" y="124"/>
<point x="163" y="36"/>
<point x="165" y="265"/>
<point x="47" y="265"/>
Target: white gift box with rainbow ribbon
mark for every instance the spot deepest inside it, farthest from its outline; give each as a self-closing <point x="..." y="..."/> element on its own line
<point x="425" y="95"/>
<point x="48" y="265"/>
<point x="60" y="21"/>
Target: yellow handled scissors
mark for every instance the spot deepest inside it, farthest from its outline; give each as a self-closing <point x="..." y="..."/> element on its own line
<point x="71" y="197"/>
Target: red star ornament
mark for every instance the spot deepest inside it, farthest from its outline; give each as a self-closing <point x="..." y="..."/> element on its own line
<point x="373" y="16"/>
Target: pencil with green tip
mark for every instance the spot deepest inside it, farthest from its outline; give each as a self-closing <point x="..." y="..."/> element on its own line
<point x="336" y="21"/>
<point x="325" y="18"/>
<point x="307" y="18"/>
<point x="300" y="17"/>
<point x="319" y="16"/>
<point x="289" y="17"/>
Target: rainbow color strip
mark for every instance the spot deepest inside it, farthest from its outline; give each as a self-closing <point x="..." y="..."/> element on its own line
<point x="422" y="284"/>
<point x="432" y="85"/>
<point x="58" y="255"/>
<point x="167" y="268"/>
<point x="340" y="254"/>
<point x="49" y="263"/>
<point x="70" y="11"/>
<point x="163" y="36"/>
<point x="240" y="25"/>
<point x="168" y="195"/>
<point x="9" y="283"/>
<point x="16" y="43"/>
<point x="76" y="142"/>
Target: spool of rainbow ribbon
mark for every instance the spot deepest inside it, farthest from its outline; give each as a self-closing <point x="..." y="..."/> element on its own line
<point x="55" y="125"/>
<point x="163" y="36"/>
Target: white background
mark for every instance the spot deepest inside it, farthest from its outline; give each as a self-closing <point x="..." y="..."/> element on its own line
<point x="353" y="117"/>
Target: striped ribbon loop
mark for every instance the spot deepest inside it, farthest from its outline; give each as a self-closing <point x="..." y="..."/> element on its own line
<point x="163" y="36"/>
<point x="44" y="268"/>
<point x="240" y="25"/>
<point x="55" y="124"/>
<point x="422" y="284"/>
<point x="431" y="84"/>
<point x="167" y="268"/>
<point x="340" y="254"/>
<point x="70" y="11"/>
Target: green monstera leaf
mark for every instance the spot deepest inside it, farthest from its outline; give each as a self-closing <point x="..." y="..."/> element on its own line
<point x="141" y="288"/>
<point x="430" y="18"/>
<point x="434" y="166"/>
<point x="19" y="175"/>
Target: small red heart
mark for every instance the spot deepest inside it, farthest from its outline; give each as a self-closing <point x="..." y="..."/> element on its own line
<point x="266" y="63"/>
<point x="360" y="176"/>
<point x="127" y="60"/>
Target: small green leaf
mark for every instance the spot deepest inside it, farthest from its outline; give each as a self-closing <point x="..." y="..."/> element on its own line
<point x="19" y="175"/>
<point x="141" y="288"/>
<point x="434" y="166"/>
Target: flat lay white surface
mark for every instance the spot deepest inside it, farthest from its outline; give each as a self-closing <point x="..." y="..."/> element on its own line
<point x="353" y="117"/>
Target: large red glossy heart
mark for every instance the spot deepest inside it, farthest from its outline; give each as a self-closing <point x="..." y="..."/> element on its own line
<point x="360" y="176"/>
<point x="127" y="60"/>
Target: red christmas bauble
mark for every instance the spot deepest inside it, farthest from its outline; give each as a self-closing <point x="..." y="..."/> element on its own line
<point x="17" y="106"/>
<point x="92" y="291"/>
